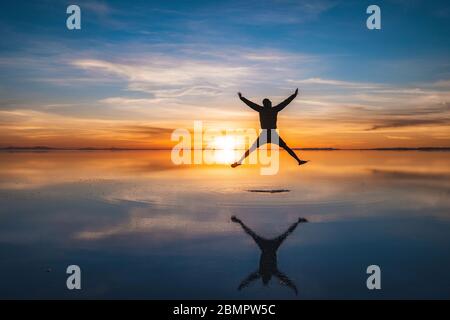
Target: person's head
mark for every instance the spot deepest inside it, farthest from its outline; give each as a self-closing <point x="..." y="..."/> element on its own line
<point x="267" y="103"/>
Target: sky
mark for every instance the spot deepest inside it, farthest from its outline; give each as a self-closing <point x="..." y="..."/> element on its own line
<point x="137" y="70"/>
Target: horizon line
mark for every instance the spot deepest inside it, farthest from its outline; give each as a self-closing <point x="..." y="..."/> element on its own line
<point x="48" y="148"/>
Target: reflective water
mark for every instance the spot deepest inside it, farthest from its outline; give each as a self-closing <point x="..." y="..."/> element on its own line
<point x="140" y="227"/>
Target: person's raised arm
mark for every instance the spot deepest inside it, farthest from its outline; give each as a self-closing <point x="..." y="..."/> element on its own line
<point x="283" y="104"/>
<point x="251" y="104"/>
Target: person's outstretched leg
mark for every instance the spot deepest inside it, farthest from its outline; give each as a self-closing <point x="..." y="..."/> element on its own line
<point x="253" y="147"/>
<point x="279" y="240"/>
<point x="259" y="240"/>
<point x="290" y="151"/>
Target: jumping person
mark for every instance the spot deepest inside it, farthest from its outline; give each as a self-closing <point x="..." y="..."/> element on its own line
<point x="268" y="266"/>
<point x="268" y="120"/>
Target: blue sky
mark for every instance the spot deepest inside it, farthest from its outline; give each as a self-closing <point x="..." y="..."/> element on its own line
<point x="140" y="67"/>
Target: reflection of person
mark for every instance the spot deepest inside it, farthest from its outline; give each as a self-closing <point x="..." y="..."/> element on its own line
<point x="268" y="120"/>
<point x="268" y="261"/>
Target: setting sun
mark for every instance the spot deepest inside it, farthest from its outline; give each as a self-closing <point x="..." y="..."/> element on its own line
<point x="224" y="143"/>
<point x="224" y="149"/>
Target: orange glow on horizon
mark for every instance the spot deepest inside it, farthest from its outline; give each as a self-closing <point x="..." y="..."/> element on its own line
<point x="35" y="129"/>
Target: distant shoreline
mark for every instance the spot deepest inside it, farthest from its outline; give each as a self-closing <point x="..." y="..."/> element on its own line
<point x="46" y="148"/>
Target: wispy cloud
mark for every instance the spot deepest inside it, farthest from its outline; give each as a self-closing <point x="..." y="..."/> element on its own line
<point x="338" y="83"/>
<point x="170" y="77"/>
<point x="398" y="137"/>
<point x="398" y="123"/>
<point x="191" y="72"/>
<point x="277" y="12"/>
<point x="100" y="8"/>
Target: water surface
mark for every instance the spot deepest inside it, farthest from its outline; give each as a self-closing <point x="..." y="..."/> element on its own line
<point x="141" y="227"/>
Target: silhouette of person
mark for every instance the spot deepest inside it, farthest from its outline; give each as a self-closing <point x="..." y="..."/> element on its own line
<point x="268" y="261"/>
<point x="268" y="120"/>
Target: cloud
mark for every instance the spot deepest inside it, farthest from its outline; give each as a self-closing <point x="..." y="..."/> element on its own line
<point x="170" y="77"/>
<point x="144" y="130"/>
<point x="441" y="84"/>
<point x="398" y="137"/>
<point x="265" y="57"/>
<point x="168" y="72"/>
<point x="191" y="72"/>
<point x="398" y="123"/>
<point x="276" y="12"/>
<point x="338" y="83"/>
<point x="99" y="8"/>
<point x="200" y="90"/>
<point x="170" y="109"/>
<point x="30" y="127"/>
